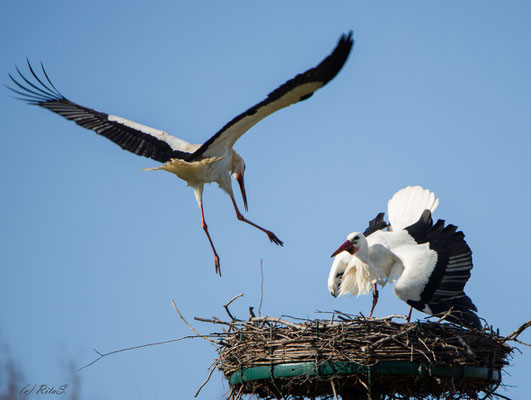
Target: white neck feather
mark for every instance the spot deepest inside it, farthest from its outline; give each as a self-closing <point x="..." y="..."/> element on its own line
<point x="357" y="278"/>
<point x="361" y="275"/>
<point x="363" y="252"/>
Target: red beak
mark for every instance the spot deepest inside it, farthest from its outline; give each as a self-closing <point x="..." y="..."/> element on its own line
<point x="344" y="247"/>
<point x="242" y="188"/>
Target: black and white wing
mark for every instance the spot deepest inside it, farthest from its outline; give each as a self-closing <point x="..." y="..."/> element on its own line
<point x="375" y="225"/>
<point x="445" y="287"/>
<point x="136" y="138"/>
<point x="297" y="89"/>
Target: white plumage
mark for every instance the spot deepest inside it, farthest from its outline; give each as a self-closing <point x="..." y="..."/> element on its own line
<point x="197" y="164"/>
<point x="407" y="205"/>
<point x="349" y="274"/>
<point x="430" y="263"/>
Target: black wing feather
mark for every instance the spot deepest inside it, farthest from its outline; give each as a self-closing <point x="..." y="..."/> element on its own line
<point x="324" y="72"/>
<point x="376" y="224"/>
<point x="445" y="288"/>
<point x="130" y="139"/>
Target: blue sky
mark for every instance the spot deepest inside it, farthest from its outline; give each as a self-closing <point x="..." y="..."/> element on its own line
<point x="93" y="249"/>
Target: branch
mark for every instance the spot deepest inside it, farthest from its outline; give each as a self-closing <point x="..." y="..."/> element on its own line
<point x="333" y="389"/>
<point x="133" y="348"/>
<point x="387" y="318"/>
<point x="261" y="289"/>
<point x="212" y="369"/>
<point x="227" y="306"/>
<point x="217" y="321"/>
<point x="517" y="332"/>
<point x="351" y="316"/>
<point x="191" y="328"/>
<point x="280" y="321"/>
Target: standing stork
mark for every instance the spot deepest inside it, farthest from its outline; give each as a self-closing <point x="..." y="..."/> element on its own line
<point x="213" y="161"/>
<point x="430" y="263"/>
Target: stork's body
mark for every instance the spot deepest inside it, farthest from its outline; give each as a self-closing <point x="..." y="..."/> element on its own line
<point x="430" y="263"/>
<point x="211" y="162"/>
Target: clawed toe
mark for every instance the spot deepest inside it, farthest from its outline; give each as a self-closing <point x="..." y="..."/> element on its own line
<point x="274" y="239"/>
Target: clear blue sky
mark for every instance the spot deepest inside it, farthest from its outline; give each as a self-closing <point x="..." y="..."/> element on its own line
<point x="93" y="249"/>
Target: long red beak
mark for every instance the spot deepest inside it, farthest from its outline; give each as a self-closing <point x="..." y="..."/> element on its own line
<point x="344" y="247"/>
<point x="242" y="188"/>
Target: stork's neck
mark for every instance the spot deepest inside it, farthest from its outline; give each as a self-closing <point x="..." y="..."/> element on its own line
<point x="363" y="252"/>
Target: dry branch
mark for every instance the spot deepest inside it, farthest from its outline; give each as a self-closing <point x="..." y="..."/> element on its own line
<point x="518" y="331"/>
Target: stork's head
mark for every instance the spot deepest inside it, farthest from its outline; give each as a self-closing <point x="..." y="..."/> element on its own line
<point x="237" y="169"/>
<point x="354" y="242"/>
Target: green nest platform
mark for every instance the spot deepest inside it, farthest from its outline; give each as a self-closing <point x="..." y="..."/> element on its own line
<point x="353" y="357"/>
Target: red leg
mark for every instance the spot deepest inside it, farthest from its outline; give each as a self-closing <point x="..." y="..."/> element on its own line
<point x="205" y="228"/>
<point x="409" y="315"/>
<point x="374" y="299"/>
<point x="269" y="234"/>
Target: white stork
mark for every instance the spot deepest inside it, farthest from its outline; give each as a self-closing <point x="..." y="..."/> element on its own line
<point x="430" y="263"/>
<point x="213" y="161"/>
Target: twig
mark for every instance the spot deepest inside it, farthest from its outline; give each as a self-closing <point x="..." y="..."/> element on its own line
<point x="393" y="337"/>
<point x="334" y="389"/>
<point x="446" y="314"/>
<point x="212" y="369"/>
<point x="520" y="342"/>
<point x="261" y="289"/>
<point x="240" y="392"/>
<point x="279" y="320"/>
<point x="298" y="318"/>
<point x="502" y="396"/>
<point x="491" y="392"/>
<point x="231" y="393"/>
<point x="351" y="316"/>
<point x="387" y="318"/>
<point x="227" y="306"/>
<point x="217" y="321"/>
<point x="192" y="329"/>
<point x="518" y="331"/>
<point x="234" y="298"/>
<point x="134" y="348"/>
<point x="466" y="346"/>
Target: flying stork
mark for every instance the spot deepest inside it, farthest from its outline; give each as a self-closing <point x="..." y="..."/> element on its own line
<point x="430" y="263"/>
<point x="197" y="164"/>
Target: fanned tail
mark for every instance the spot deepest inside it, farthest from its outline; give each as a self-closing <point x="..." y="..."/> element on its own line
<point x="408" y="204"/>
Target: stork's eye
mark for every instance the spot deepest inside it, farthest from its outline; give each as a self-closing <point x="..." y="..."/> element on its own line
<point x="354" y="238"/>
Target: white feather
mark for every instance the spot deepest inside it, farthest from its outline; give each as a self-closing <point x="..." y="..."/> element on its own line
<point x="389" y="256"/>
<point x="336" y="272"/>
<point x="360" y="277"/>
<point x="407" y="205"/>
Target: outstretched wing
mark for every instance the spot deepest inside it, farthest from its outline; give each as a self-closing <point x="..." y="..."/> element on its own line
<point x="297" y="89"/>
<point x="444" y="290"/>
<point x="136" y="138"/>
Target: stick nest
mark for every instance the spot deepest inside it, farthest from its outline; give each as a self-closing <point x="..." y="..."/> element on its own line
<point x="268" y="341"/>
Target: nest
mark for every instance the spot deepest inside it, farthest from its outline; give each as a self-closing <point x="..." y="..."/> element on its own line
<point x="354" y="357"/>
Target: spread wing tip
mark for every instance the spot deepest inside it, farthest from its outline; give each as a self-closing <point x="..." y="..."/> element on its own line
<point x="331" y="65"/>
<point x="36" y="92"/>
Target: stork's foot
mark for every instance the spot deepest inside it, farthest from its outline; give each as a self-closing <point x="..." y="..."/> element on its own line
<point x="274" y="238"/>
<point x="269" y="234"/>
<point x="217" y="265"/>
